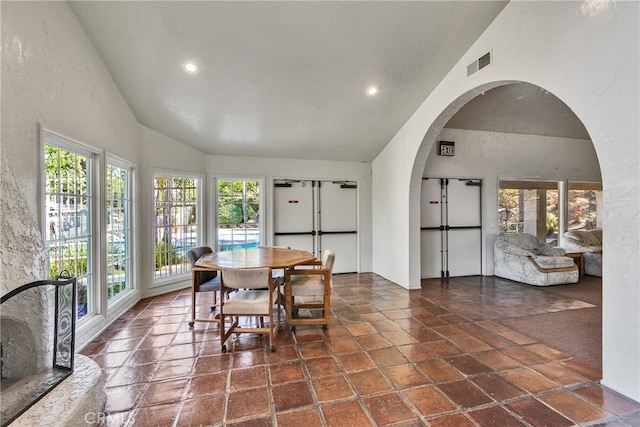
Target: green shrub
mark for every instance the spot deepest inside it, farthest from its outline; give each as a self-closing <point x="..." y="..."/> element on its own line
<point x="66" y="258"/>
<point x="552" y="222"/>
<point x="164" y="252"/>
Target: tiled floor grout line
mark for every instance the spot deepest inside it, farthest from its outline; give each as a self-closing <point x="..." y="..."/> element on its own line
<point x="384" y="373"/>
<point x="360" y="398"/>
<point x="455" y="321"/>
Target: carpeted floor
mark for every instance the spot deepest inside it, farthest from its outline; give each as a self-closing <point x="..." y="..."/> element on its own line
<point x="576" y="332"/>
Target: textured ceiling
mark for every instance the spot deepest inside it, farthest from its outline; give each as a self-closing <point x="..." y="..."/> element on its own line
<point x="281" y="79"/>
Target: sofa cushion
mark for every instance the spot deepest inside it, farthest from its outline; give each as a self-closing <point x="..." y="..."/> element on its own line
<point x="553" y="261"/>
<point x="583" y="236"/>
<point x="520" y="243"/>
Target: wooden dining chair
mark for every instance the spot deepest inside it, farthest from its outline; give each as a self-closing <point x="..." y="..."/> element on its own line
<point x="255" y="297"/>
<point x="202" y="280"/>
<point x="312" y="287"/>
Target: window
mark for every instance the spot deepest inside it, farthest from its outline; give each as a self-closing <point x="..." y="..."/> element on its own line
<point x="176" y="223"/>
<point x="533" y="207"/>
<point x="238" y="214"/>
<point x="118" y="229"/>
<point x="69" y="204"/>
<point x="585" y="201"/>
<point x="529" y="207"/>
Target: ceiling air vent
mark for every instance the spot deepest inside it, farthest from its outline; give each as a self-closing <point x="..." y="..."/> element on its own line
<point x="484" y="60"/>
<point x="479" y="63"/>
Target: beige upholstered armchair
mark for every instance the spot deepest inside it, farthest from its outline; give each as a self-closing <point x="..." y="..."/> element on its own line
<point x="309" y="288"/>
<point x="589" y="242"/>
<point x="523" y="258"/>
<point x="244" y="311"/>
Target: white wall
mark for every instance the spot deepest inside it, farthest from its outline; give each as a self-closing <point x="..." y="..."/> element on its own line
<point x="587" y="54"/>
<point x="493" y="155"/>
<point x="51" y="76"/>
<point x="270" y="169"/>
<point x="160" y="152"/>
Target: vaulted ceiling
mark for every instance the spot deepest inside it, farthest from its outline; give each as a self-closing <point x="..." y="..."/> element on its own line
<point x="282" y="79"/>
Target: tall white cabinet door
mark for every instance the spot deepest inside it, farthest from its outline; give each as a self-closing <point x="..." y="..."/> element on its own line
<point x="464" y="223"/>
<point x="451" y="227"/>
<point x="294" y="214"/>
<point x="431" y="237"/>
<point x="337" y="223"/>
<point x="318" y="215"/>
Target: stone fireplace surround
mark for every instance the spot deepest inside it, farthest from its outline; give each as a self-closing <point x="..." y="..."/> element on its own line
<point x="78" y="399"/>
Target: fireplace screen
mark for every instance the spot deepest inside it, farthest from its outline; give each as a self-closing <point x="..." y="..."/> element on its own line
<point x="37" y="345"/>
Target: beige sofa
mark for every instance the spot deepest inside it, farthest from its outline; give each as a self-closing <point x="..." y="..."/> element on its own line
<point x="523" y="258"/>
<point x="590" y="243"/>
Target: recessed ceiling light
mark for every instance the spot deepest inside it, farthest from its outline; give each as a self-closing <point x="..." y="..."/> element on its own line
<point x="372" y="90"/>
<point x="190" y="67"/>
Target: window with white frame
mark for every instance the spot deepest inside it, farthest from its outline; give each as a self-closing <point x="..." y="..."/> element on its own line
<point x="118" y="228"/>
<point x="238" y="214"/>
<point x="176" y="223"/>
<point x="68" y="209"/>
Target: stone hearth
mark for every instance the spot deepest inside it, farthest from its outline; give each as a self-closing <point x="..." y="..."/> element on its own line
<point x="76" y="401"/>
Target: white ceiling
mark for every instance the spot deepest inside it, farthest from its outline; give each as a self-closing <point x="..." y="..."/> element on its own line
<point x="281" y="79"/>
<point x="287" y="79"/>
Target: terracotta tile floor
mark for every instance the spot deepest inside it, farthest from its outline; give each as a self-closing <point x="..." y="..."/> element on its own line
<point x="436" y="356"/>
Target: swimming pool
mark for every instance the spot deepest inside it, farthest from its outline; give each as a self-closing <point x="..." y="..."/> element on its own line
<point x="238" y="238"/>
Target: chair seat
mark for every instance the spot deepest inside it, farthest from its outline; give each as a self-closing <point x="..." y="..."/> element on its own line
<point x="308" y="285"/>
<point x="248" y="302"/>
<point x="210" y="285"/>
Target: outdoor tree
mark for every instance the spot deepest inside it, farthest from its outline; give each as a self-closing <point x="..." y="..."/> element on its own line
<point x="509" y="204"/>
<point x="238" y="201"/>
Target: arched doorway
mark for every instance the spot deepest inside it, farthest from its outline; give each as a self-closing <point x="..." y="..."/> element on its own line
<point x="497" y="144"/>
<point x="517" y="134"/>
